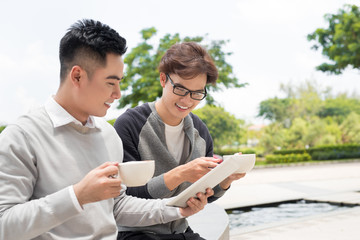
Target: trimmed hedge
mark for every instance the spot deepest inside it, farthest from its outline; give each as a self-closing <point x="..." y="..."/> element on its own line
<point x="287" y="158"/>
<point x="231" y="151"/>
<point x="328" y="152"/>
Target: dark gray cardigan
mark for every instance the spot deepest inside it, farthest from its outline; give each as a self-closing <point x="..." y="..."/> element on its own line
<point x="143" y="135"/>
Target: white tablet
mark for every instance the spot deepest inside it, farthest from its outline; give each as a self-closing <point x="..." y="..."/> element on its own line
<point x="232" y="163"/>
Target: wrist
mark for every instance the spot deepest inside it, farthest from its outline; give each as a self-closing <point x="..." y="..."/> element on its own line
<point x="173" y="178"/>
<point x="181" y="212"/>
<point x="77" y="194"/>
<point x="74" y="198"/>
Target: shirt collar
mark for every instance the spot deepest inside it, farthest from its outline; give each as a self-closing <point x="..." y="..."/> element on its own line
<point x="60" y="117"/>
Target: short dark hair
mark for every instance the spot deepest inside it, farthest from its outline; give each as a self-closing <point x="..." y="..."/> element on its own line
<point x="188" y="60"/>
<point x="86" y="44"/>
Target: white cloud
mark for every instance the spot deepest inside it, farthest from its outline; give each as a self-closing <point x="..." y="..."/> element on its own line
<point x="6" y="62"/>
<point x="37" y="60"/>
<point x="7" y="68"/>
<point x="26" y="100"/>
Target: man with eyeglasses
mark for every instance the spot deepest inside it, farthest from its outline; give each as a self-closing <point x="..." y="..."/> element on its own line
<point x="166" y="131"/>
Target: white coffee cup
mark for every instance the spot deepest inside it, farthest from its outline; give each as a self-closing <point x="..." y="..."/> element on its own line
<point x="136" y="173"/>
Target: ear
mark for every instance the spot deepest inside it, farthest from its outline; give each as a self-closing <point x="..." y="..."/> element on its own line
<point x="76" y="74"/>
<point x="162" y="79"/>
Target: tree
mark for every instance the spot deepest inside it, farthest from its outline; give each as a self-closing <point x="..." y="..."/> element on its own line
<point x="351" y="128"/>
<point x="295" y="134"/>
<point x="339" y="107"/>
<point x="340" y="41"/>
<point x="273" y="137"/>
<point x="225" y="128"/>
<point x="141" y="82"/>
<point x="274" y="109"/>
<point x="322" y="132"/>
<point x="302" y="101"/>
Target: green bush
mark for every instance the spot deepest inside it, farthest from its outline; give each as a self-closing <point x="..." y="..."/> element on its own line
<point x="287" y="158"/>
<point x="289" y="151"/>
<point x="328" y="152"/>
<point x="230" y="151"/>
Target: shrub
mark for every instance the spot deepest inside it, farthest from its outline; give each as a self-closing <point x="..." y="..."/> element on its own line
<point x="289" y="151"/>
<point x="287" y="158"/>
<point x="230" y="151"/>
<point x="328" y="152"/>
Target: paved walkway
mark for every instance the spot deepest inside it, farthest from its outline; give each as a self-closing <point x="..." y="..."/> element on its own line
<point x="332" y="182"/>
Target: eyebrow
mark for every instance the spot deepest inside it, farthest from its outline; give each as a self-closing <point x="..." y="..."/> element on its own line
<point x="180" y="85"/>
<point x="115" y="77"/>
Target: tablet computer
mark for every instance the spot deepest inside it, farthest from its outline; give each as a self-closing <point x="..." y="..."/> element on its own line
<point x="232" y="164"/>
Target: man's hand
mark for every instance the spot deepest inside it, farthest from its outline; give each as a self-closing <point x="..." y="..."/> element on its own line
<point x="189" y="172"/>
<point x="194" y="170"/>
<point x="196" y="204"/>
<point x="225" y="184"/>
<point x="98" y="184"/>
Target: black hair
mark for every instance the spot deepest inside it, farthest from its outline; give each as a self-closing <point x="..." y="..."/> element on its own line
<point x="86" y="43"/>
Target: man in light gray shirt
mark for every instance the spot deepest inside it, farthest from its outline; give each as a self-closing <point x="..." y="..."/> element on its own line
<point x="55" y="161"/>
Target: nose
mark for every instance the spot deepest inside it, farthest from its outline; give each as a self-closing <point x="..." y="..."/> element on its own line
<point x="116" y="93"/>
<point x="186" y="98"/>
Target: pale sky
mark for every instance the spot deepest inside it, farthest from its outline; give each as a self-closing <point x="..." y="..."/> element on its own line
<point x="267" y="38"/>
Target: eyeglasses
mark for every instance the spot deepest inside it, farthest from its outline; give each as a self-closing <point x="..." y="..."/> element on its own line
<point x="181" y="91"/>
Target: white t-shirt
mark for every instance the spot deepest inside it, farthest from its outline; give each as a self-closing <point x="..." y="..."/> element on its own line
<point x="175" y="137"/>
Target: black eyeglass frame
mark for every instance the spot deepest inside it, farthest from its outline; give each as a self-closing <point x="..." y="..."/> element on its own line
<point x="187" y="90"/>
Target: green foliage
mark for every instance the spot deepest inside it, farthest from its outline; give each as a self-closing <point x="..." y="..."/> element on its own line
<point x="287" y="158"/>
<point x="290" y="151"/>
<point x="335" y="152"/>
<point x="339" y="107"/>
<point x="302" y="101"/>
<point x="272" y="138"/>
<point x="2" y="128"/>
<point x="340" y="41"/>
<point x="273" y="109"/>
<point x="322" y="132"/>
<point x="294" y="137"/>
<point x="231" y="151"/>
<point x="350" y="128"/>
<point x="112" y="121"/>
<point x="224" y="127"/>
<point x="328" y="152"/>
<point x="309" y="117"/>
<point x="141" y="82"/>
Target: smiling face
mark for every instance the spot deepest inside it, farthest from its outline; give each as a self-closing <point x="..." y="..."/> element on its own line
<point x="94" y="95"/>
<point x="173" y="108"/>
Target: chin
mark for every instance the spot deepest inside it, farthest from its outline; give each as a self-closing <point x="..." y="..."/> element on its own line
<point x="183" y="114"/>
<point x="100" y="114"/>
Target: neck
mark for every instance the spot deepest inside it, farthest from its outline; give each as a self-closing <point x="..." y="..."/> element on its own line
<point x="67" y="102"/>
<point x="164" y="114"/>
